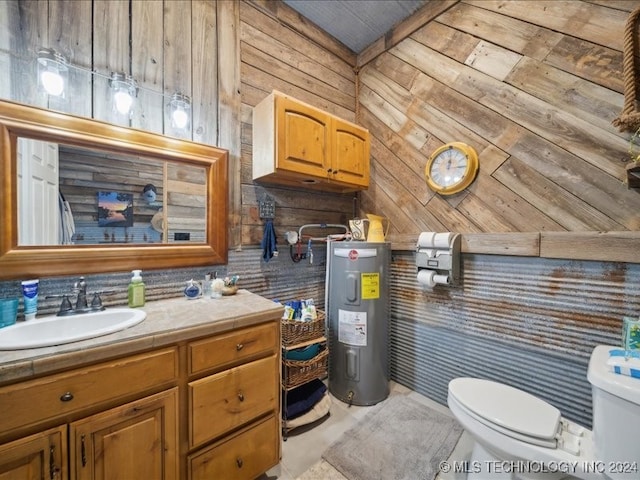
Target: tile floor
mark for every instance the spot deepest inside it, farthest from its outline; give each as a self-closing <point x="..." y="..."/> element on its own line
<point x="302" y="451"/>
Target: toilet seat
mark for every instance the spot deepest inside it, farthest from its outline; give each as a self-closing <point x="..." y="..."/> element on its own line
<point x="508" y="410"/>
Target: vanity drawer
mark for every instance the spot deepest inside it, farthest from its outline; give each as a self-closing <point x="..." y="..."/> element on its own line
<point x="244" y="456"/>
<point x="233" y="348"/>
<point x="229" y="399"/>
<point x="49" y="397"/>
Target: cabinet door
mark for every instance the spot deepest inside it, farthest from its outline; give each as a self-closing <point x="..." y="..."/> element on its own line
<point x="303" y="138"/>
<point x="136" y="440"/>
<point x="351" y="154"/>
<point x="40" y="456"/>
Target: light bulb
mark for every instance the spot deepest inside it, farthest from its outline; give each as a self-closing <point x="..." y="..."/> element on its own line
<point x="124" y="90"/>
<point x="52" y="82"/>
<point x="180" y="105"/>
<point x="52" y="71"/>
<point x="180" y="118"/>
<point x="123" y="102"/>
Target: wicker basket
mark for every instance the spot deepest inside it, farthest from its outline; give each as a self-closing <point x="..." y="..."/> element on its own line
<point x="294" y="331"/>
<point x="298" y="372"/>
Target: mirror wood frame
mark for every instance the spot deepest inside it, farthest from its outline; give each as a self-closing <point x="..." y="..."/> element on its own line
<point x="20" y="262"/>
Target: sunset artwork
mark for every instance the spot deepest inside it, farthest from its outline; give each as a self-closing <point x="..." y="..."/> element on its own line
<point x="115" y="209"/>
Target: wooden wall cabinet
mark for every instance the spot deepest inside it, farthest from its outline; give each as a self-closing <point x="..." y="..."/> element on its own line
<point x="201" y="407"/>
<point x="297" y="145"/>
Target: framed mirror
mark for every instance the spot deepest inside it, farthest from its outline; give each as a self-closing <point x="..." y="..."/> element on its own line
<point x="81" y="196"/>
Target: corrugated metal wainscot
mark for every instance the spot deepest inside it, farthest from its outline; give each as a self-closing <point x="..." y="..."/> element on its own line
<point x="527" y="322"/>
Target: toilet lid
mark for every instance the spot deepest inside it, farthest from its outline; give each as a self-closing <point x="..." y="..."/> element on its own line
<point x="507" y="407"/>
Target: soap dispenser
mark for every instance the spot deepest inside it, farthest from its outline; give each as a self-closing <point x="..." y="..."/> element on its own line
<point x="136" y="290"/>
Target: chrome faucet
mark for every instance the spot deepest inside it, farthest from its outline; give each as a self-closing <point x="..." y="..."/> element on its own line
<point x="82" y="306"/>
<point x="80" y="287"/>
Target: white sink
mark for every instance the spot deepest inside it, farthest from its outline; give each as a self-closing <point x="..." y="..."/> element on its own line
<point x="54" y="330"/>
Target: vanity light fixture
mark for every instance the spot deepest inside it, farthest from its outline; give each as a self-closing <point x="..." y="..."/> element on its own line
<point x="52" y="71"/>
<point x="124" y="90"/>
<point x="180" y="106"/>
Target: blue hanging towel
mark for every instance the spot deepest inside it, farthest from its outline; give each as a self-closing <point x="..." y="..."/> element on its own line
<point x="269" y="243"/>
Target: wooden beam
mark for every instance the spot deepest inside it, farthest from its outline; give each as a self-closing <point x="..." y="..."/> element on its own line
<point x="596" y="246"/>
<point x="601" y="246"/>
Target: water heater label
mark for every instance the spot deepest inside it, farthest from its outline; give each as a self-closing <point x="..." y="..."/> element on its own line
<point x="352" y="328"/>
<point x="370" y="286"/>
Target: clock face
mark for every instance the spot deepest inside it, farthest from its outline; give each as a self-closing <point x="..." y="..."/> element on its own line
<point x="451" y="168"/>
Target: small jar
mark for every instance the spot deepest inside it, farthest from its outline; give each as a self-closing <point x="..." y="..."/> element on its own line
<point x="192" y="290"/>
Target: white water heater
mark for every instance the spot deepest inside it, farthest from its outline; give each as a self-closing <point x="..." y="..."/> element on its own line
<point x="357" y="308"/>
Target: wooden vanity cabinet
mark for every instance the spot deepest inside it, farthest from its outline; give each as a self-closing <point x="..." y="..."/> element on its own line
<point x="103" y="433"/>
<point x="200" y="406"/>
<point x="295" y="144"/>
<point x="136" y="440"/>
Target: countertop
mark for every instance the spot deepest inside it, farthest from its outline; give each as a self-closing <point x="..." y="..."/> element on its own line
<point x="168" y="322"/>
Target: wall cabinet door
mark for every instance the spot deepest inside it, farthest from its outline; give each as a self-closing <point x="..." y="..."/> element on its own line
<point x="303" y="139"/>
<point x="136" y="440"/>
<point x="351" y="153"/>
<point x="42" y="456"/>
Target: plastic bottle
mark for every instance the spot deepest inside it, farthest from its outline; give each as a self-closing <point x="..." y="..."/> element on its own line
<point x="206" y="286"/>
<point x="136" y="290"/>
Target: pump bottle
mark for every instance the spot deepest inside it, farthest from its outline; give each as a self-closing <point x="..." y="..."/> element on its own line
<point x="136" y="290"/>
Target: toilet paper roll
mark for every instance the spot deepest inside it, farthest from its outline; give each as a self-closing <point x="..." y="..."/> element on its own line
<point x="429" y="278"/>
<point x="434" y="240"/>
<point x="441" y="279"/>
<point x="425" y="240"/>
<point x="441" y="240"/>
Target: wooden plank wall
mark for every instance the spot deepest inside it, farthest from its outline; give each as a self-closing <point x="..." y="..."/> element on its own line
<point x="281" y="50"/>
<point x="533" y="87"/>
<point x="166" y="46"/>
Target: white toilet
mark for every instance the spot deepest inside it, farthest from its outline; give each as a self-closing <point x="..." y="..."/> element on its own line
<point x="519" y="436"/>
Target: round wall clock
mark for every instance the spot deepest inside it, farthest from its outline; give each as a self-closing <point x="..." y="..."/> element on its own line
<point x="451" y="168"/>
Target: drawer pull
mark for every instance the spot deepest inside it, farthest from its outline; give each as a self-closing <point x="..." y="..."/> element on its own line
<point x="239" y="462"/>
<point x="241" y="396"/>
<point x="239" y="347"/>
<point x="66" y="397"/>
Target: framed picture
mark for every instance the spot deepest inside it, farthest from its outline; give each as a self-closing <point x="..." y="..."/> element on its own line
<point x="115" y="209"/>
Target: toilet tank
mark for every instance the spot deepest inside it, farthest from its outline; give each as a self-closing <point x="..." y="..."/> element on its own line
<point x="616" y="416"/>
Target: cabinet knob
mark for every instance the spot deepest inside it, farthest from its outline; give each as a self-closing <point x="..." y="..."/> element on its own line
<point x="239" y="347"/>
<point x="239" y="462"/>
<point x="241" y="396"/>
<point x="66" y="397"/>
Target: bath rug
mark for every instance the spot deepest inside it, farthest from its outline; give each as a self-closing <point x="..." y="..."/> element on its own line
<point x="322" y="470"/>
<point x="400" y="439"/>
